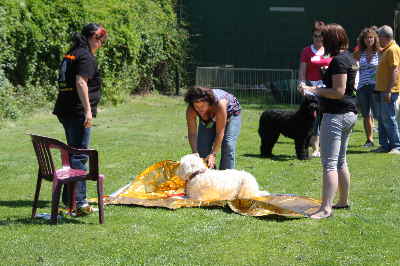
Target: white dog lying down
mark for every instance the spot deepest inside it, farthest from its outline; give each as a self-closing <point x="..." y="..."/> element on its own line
<point x="208" y="184"/>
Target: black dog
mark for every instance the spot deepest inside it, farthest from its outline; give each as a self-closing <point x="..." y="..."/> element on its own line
<point x="297" y="125"/>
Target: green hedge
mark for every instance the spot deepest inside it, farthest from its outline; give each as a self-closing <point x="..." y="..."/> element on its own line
<point x="144" y="49"/>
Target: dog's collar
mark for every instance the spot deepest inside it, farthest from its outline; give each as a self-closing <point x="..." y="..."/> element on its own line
<point x="193" y="175"/>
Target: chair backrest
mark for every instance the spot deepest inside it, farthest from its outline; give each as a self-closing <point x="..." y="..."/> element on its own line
<point x="42" y="146"/>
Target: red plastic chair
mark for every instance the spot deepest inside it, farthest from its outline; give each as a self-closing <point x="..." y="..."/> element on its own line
<point x="64" y="175"/>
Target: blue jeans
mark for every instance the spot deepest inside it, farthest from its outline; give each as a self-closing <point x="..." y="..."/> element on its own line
<point x="387" y="125"/>
<point x="206" y="136"/>
<point x="78" y="137"/>
<point x="365" y="100"/>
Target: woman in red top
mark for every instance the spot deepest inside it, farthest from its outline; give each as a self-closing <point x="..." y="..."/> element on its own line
<point x="312" y="59"/>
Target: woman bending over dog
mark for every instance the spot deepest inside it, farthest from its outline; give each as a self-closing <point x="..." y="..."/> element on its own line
<point x="219" y="125"/>
<point x="338" y="105"/>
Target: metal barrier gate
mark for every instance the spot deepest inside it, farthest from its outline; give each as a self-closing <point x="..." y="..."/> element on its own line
<point x="252" y="84"/>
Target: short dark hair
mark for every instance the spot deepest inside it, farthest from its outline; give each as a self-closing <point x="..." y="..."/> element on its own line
<point x="335" y="39"/>
<point x="364" y="33"/>
<point x="198" y="93"/>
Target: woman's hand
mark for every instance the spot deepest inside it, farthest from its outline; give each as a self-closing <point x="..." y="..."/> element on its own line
<point x="302" y="87"/>
<point x="306" y="90"/>
<point x="88" y="119"/>
<point x="211" y="160"/>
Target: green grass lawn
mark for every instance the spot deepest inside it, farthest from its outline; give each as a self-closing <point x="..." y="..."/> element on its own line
<point x="135" y="135"/>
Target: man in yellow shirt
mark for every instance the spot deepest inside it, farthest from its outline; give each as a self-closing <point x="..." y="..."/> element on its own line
<point x="387" y="91"/>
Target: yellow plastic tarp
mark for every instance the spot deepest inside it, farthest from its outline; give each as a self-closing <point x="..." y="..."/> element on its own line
<point x="159" y="186"/>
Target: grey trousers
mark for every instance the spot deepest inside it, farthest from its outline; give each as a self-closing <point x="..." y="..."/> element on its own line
<point x="334" y="138"/>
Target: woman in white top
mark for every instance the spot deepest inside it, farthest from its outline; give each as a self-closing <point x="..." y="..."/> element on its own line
<point x="368" y="58"/>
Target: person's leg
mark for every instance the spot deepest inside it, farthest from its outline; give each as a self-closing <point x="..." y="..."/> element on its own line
<point x="205" y="139"/>
<point x="383" y="139"/>
<point x="371" y="114"/>
<point x="314" y="141"/>
<point x="397" y="111"/>
<point x="344" y="187"/>
<point x="67" y="125"/>
<point x="329" y="188"/>
<point x="389" y="122"/>
<point x="331" y="135"/>
<point x="78" y="137"/>
<point x="368" y="128"/>
<point x="364" y="102"/>
<point x="228" y="148"/>
<point x="343" y="171"/>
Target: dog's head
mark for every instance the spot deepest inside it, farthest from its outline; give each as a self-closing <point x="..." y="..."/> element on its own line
<point x="189" y="164"/>
<point x="310" y="105"/>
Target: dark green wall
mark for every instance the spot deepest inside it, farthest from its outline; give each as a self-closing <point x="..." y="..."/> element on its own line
<point x="245" y="33"/>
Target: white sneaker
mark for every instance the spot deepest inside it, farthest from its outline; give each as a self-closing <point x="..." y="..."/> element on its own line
<point x="394" y="151"/>
<point x="316" y="154"/>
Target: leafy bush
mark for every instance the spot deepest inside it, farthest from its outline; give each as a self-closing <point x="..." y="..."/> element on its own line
<point x="144" y="49"/>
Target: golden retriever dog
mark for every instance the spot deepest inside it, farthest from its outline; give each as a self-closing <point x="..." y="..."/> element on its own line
<point x="209" y="184"/>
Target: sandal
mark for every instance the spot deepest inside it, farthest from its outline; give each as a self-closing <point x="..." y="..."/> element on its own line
<point x="346" y="207"/>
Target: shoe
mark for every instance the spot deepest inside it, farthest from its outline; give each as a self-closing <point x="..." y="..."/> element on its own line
<point x="85" y="210"/>
<point x="347" y="207"/>
<point x="379" y="150"/>
<point x="394" y="151"/>
<point x="316" y="154"/>
<point x="368" y="144"/>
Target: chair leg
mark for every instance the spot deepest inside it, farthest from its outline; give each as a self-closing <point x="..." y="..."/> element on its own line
<point x="55" y="201"/>
<point x="100" y="199"/>
<point x="72" y="197"/>
<point x="36" y="198"/>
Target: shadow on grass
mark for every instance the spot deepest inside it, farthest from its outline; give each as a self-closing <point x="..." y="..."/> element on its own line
<point x="285" y="142"/>
<point x="228" y="210"/>
<point x="37" y="221"/>
<point x="270" y="217"/>
<point x="28" y="203"/>
<point x="278" y="218"/>
<point x="274" y="157"/>
<point x="357" y="152"/>
<point x="23" y="203"/>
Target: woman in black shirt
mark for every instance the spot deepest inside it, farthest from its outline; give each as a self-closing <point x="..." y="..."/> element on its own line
<point x="76" y="104"/>
<point x="339" y="116"/>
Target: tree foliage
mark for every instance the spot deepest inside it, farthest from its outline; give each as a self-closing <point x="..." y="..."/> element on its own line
<point x="144" y="50"/>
